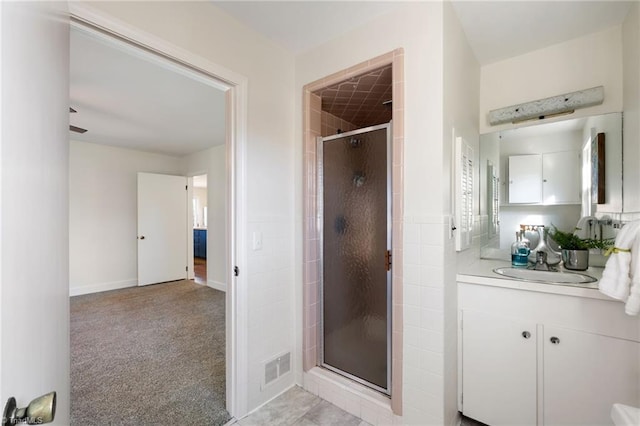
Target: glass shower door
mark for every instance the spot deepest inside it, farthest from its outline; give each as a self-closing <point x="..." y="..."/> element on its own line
<point x="355" y="209"/>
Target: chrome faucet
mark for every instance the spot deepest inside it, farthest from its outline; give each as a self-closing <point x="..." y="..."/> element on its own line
<point x="541" y="261"/>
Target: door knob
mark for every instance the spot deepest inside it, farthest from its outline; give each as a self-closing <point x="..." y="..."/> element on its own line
<point x="141" y="237"/>
<point x="526" y="334"/>
<point x="555" y="340"/>
<point x="40" y="410"/>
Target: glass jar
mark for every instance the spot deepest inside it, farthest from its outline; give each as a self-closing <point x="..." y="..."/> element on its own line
<point x="520" y="251"/>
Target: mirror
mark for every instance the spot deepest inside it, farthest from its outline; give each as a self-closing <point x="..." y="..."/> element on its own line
<point x="550" y="173"/>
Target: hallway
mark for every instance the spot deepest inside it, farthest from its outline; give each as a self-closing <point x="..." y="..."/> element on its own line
<point x="200" y="270"/>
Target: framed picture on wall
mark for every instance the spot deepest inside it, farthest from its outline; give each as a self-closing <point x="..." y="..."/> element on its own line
<point x="597" y="169"/>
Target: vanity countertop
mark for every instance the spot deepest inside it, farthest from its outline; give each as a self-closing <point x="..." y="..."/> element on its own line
<point x="481" y="272"/>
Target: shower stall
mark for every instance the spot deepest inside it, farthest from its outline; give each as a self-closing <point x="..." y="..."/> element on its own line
<point x="354" y="220"/>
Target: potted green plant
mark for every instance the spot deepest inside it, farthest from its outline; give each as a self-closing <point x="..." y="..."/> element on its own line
<point x="575" y="250"/>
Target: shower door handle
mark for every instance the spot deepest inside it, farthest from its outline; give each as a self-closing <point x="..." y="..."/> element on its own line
<point x="387" y="260"/>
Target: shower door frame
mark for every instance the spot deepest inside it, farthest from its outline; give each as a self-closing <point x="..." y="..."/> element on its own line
<point x="319" y="224"/>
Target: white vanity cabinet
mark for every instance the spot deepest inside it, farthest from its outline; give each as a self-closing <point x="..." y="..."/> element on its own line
<point x="499" y="367"/>
<point x="585" y="373"/>
<point x="525" y="179"/>
<point x="549" y="178"/>
<point x="561" y="177"/>
<point x="529" y="358"/>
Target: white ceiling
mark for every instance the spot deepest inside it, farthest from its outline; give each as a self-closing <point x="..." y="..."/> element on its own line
<point x="498" y="30"/>
<point x="495" y="29"/>
<point x="127" y="98"/>
<point x="302" y="25"/>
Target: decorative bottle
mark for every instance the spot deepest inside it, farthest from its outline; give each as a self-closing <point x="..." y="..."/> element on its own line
<point x="520" y="251"/>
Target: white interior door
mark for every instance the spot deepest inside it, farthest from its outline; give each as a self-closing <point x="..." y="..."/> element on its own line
<point x="34" y="199"/>
<point x="162" y="228"/>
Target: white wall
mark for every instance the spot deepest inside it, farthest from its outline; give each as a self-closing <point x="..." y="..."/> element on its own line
<point x="631" y="68"/>
<point x="589" y="61"/>
<point x="205" y="30"/>
<point x="212" y="162"/>
<point x="199" y="194"/>
<point x="103" y="213"/>
<point x="461" y="110"/>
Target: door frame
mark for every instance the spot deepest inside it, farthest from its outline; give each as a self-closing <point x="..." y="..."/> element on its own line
<point x="236" y="87"/>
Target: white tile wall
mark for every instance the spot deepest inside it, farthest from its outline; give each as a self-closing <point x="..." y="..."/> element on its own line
<point x="423" y="320"/>
<point x="270" y="302"/>
<point x="626" y="216"/>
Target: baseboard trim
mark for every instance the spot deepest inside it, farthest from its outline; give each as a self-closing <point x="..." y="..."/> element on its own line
<point x="100" y="287"/>
<point x="217" y="285"/>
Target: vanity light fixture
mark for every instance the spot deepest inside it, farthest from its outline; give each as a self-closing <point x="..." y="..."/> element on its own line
<point x="548" y="107"/>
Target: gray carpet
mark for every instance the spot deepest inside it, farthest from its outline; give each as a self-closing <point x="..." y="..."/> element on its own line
<point x="151" y="355"/>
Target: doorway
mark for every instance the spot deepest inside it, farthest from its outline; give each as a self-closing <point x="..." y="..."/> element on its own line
<point x="234" y="109"/>
<point x="325" y="114"/>
<point x="200" y="212"/>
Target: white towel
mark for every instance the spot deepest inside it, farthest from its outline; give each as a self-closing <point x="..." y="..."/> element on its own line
<point x="621" y="277"/>
<point x="633" y="303"/>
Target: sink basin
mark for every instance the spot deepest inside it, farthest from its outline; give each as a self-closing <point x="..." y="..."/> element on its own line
<point x="545" y="276"/>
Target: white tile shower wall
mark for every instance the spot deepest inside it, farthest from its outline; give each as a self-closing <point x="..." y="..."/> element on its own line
<point x="424" y="277"/>
<point x="270" y="302"/>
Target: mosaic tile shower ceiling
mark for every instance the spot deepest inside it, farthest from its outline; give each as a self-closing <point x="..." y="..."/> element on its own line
<point x="360" y="100"/>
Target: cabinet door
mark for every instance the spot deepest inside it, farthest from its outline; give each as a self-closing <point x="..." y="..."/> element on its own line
<point x="561" y="177"/>
<point x="585" y="374"/>
<point x="197" y="243"/>
<point x="203" y="244"/>
<point x="525" y="179"/>
<point x="498" y="370"/>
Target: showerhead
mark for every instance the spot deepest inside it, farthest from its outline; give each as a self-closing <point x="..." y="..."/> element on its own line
<point x="358" y="180"/>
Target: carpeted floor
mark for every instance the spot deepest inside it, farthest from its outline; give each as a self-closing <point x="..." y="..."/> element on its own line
<point x="151" y="355"/>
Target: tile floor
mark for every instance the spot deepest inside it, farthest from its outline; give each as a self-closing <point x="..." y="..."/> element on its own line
<point x="297" y="407"/>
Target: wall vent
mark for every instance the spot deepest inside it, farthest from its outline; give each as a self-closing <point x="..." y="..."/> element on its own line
<point x="270" y="371"/>
<point x="276" y="368"/>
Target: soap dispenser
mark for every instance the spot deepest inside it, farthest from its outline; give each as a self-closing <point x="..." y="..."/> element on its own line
<point x="520" y="250"/>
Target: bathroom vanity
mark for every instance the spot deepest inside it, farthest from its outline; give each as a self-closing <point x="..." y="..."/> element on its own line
<point x="543" y="354"/>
